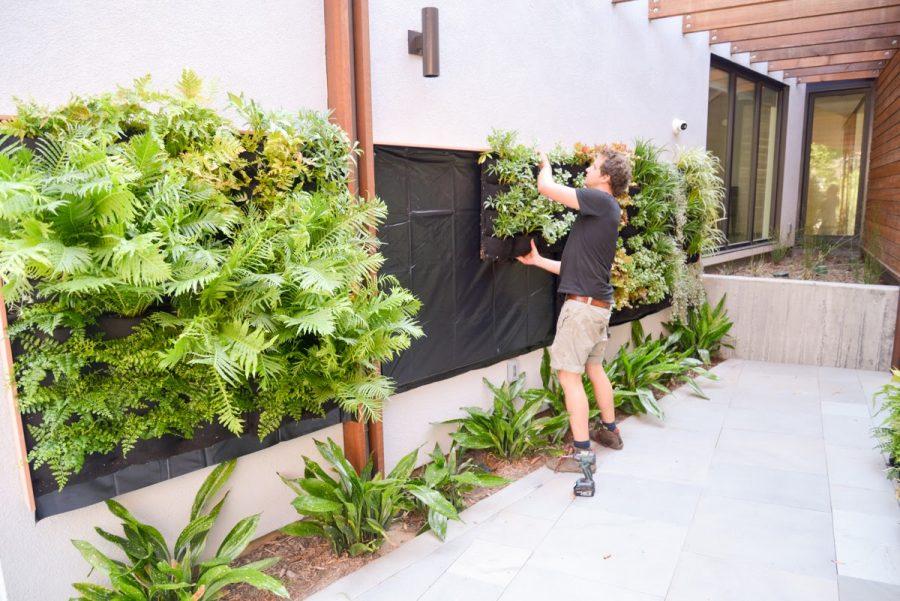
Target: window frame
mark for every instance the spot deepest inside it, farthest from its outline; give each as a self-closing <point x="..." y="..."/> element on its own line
<point x="837" y="88"/>
<point x="759" y="80"/>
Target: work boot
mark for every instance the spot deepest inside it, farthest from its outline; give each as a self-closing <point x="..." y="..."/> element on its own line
<point x="571" y="461"/>
<point x="608" y="438"/>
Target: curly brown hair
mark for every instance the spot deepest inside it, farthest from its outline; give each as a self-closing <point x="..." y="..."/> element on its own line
<point x="617" y="166"/>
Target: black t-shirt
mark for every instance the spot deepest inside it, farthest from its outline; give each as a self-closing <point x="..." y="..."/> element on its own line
<point x="591" y="246"/>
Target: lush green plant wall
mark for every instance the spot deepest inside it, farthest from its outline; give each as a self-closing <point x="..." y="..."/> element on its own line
<point x="669" y="217"/>
<point x="250" y="265"/>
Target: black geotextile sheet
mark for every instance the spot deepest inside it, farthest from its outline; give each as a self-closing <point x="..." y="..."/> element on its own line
<point x="155" y="460"/>
<point x="474" y="312"/>
<point x="152" y="461"/>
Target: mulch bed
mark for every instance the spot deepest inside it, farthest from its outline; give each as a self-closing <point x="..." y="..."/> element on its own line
<point x="838" y="266"/>
<point x="308" y="564"/>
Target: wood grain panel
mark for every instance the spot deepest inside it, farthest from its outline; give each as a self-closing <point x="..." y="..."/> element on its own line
<point x="833" y="59"/>
<point x="773" y="40"/>
<point x="839" y="76"/>
<point x="670" y="8"/>
<point x="807" y="25"/>
<point x="881" y="221"/>
<point x="824" y="50"/>
<point x="784" y="11"/>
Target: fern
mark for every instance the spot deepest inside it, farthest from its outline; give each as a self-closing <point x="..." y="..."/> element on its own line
<point x="249" y="260"/>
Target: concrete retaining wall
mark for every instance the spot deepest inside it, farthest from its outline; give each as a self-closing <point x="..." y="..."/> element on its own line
<point x="812" y="323"/>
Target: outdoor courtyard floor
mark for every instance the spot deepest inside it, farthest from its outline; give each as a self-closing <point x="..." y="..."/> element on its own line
<point x="771" y="490"/>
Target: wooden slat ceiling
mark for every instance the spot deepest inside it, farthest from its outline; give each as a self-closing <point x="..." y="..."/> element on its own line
<point x="811" y="40"/>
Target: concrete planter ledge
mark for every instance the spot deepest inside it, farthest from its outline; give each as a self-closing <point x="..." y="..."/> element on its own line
<point x="808" y="322"/>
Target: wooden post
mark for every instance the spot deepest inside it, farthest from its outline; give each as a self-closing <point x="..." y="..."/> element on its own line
<point x="365" y="169"/>
<point x="11" y="401"/>
<point x="349" y="83"/>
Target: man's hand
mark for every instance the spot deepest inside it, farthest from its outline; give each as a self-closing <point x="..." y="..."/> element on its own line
<point x="549" y="188"/>
<point x="532" y="258"/>
<point x="545" y="162"/>
<point x="535" y="258"/>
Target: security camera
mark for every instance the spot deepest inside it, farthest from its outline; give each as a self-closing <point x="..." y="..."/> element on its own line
<point x="678" y="126"/>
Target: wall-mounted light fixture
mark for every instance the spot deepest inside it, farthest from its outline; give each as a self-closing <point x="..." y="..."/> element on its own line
<point x="425" y="43"/>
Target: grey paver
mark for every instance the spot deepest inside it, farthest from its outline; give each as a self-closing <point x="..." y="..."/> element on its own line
<point x="848" y="431"/>
<point x="769" y="485"/>
<point x="856" y="589"/>
<point x="453" y="587"/>
<point x="775" y="536"/>
<point x="768" y="449"/>
<point x="790" y="421"/>
<point x="861" y="468"/>
<point x="540" y="584"/>
<point x="611" y="548"/>
<point x="868" y="546"/>
<point x="699" y="577"/>
<point x="670" y="502"/>
<point x="864" y="500"/>
<point x="692" y="413"/>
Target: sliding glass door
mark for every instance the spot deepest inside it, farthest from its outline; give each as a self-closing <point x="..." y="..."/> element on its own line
<point x="744" y="131"/>
<point x="835" y="158"/>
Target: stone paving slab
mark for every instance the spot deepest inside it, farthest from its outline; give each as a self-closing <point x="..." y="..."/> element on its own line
<point x="770" y="489"/>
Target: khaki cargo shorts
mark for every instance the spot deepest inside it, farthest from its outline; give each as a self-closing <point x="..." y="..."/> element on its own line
<point x="582" y="331"/>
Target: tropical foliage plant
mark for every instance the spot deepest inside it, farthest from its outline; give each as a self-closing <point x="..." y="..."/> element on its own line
<point x="154" y="571"/>
<point x="888" y="433"/>
<point x="241" y="249"/>
<point x="451" y="477"/>
<point x="703" y="332"/>
<point x="511" y="428"/>
<point x="645" y="367"/>
<point x="355" y="510"/>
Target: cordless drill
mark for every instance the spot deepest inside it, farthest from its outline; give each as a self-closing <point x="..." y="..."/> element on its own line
<point x="584" y="486"/>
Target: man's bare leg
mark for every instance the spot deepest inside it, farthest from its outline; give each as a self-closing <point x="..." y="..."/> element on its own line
<point x="608" y="435"/>
<point x="603" y="391"/>
<point x="576" y="403"/>
<point x="582" y="456"/>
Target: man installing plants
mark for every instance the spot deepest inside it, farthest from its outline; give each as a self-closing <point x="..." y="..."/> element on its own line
<point x="583" y="326"/>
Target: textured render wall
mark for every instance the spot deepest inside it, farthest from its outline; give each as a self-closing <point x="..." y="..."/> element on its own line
<point x="811" y="323"/>
<point x="273" y="51"/>
<point x="570" y="70"/>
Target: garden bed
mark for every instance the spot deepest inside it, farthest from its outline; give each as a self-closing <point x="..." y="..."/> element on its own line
<point x="808" y="263"/>
<point x="309" y="565"/>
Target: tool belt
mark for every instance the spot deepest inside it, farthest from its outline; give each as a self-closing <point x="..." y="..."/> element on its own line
<point x="589" y="300"/>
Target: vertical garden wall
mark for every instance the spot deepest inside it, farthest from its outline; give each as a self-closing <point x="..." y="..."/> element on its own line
<point x="174" y="282"/>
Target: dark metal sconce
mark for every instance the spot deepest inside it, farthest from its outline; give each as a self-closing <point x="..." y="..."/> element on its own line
<point x="425" y="43"/>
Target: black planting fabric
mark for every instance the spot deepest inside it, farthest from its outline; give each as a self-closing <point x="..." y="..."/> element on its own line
<point x="474" y="312"/>
<point x="153" y="461"/>
<point x="150" y="461"/>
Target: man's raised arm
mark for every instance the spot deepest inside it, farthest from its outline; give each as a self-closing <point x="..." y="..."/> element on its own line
<point x="549" y="188"/>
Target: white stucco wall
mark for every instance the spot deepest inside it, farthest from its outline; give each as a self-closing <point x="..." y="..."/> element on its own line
<point x="567" y="71"/>
<point x="272" y="50"/>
